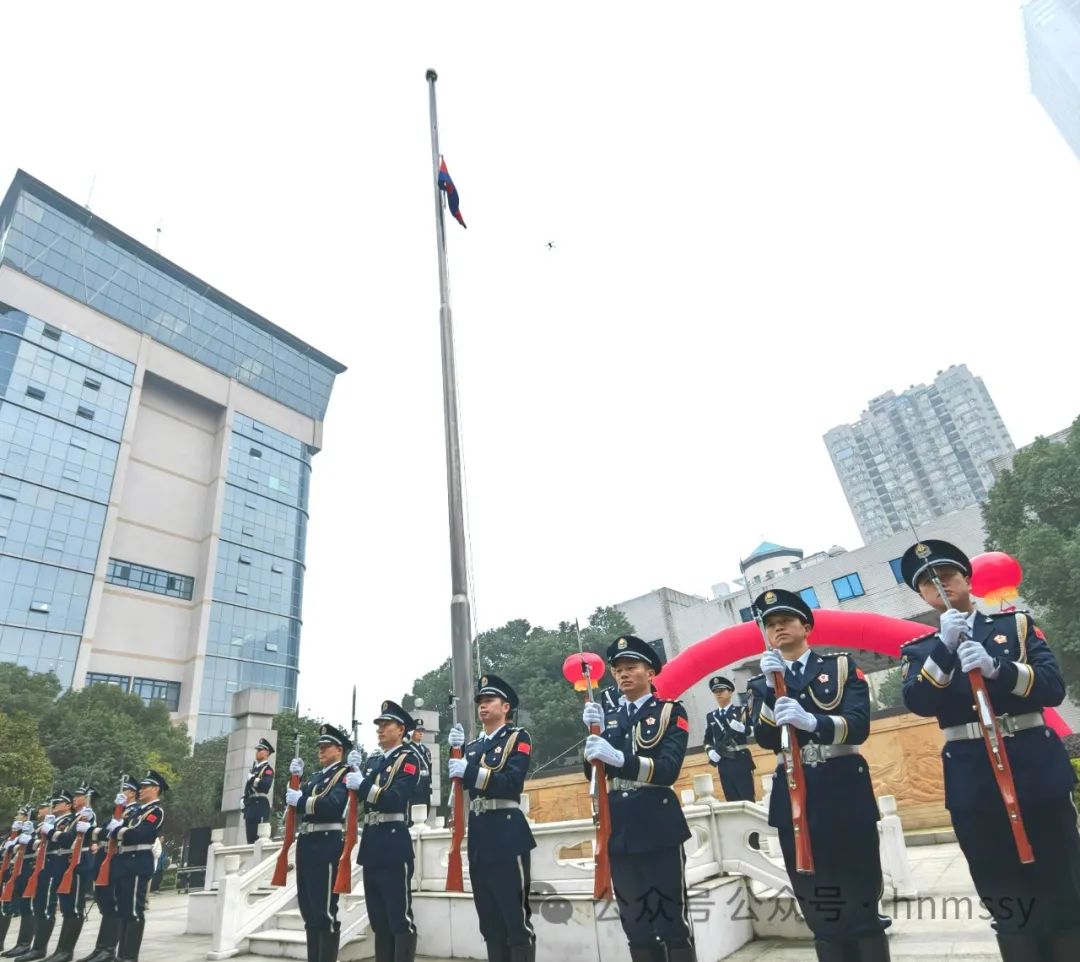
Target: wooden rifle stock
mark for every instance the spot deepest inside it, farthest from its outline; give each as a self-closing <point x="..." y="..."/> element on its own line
<point x="105" y="871"/>
<point x="796" y="781"/>
<point x="9" y="887"/>
<point x="455" y="877"/>
<point x="343" y="881"/>
<point x="602" y="869"/>
<point x="64" y="888"/>
<point x="1000" y="764"/>
<point x="7" y="854"/>
<point x="281" y="869"/>
<point x="39" y="863"/>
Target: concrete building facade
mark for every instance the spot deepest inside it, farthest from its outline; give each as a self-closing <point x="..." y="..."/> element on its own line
<point x="920" y="455"/>
<point x="1052" y="32"/>
<point x="155" y="454"/>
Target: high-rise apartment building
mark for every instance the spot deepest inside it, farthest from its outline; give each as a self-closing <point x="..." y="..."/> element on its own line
<point x="919" y="455"/>
<point x="155" y="453"/>
<point x="1052" y="29"/>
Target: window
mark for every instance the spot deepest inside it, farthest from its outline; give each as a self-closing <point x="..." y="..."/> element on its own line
<point x="244" y="559"/>
<point x="51" y="332"/>
<point x="36" y="393"/>
<point x="746" y="614"/>
<point x="241" y="589"/>
<point x="277" y="568"/>
<point x="271" y="646"/>
<point x="153" y="689"/>
<point x="92" y="384"/>
<point x="122" y="682"/>
<point x="144" y="578"/>
<point x="810" y="597"/>
<point x="255" y="453"/>
<point x="84" y="412"/>
<point x="849" y="586"/>
<point x="897" y="573"/>
<point x="41" y="607"/>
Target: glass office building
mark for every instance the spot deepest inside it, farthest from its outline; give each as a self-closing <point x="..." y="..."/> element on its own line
<point x="156" y="440"/>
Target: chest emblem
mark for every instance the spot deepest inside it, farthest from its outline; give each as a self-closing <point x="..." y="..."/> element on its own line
<point x="1001" y="639"/>
<point x="650" y="721"/>
<point x="823" y="677"/>
<point x="498" y="750"/>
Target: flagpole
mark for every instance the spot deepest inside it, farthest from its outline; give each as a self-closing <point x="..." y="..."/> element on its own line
<point x="460" y="615"/>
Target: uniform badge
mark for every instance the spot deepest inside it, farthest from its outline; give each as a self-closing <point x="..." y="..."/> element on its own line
<point x="770" y="597"/>
<point x="922" y="551"/>
<point x="483" y="682"/>
<point x="385" y="705"/>
<point x="823" y="677"/>
<point x="622" y="644"/>
<point x="1001" y="639"/>
<point x="498" y="750"/>
<point x="613" y="723"/>
<point x="650" y="721"/>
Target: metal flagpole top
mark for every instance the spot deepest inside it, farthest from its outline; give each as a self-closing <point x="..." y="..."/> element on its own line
<point x="431" y="75"/>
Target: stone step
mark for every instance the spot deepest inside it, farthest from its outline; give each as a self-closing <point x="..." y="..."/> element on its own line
<point x="290" y="919"/>
<point x="900" y="950"/>
<point x="279" y="943"/>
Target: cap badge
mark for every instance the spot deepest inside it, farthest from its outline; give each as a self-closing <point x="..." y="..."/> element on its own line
<point x="622" y="644"/>
<point x="385" y="705"/>
<point x="922" y="551"/>
<point x="770" y="597"/>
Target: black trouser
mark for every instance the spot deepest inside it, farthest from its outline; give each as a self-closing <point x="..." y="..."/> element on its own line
<point x="388" y="897"/>
<point x="251" y="826"/>
<point x="317" y="855"/>
<point x="840" y="900"/>
<point x="500" y="891"/>
<point x="45" y="898"/>
<point x="737" y="777"/>
<point x="130" y="893"/>
<point x="1039" y="899"/>
<point x="73" y="905"/>
<point x="651" y="891"/>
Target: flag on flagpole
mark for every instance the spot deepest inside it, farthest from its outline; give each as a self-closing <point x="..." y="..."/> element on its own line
<point x="446" y="184"/>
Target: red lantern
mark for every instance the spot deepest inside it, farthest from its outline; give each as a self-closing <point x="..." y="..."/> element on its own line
<point x="574" y="673"/>
<point x="996" y="577"/>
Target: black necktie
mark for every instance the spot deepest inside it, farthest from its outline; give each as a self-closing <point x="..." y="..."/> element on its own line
<point x="796" y="671"/>
<point x="630" y="709"/>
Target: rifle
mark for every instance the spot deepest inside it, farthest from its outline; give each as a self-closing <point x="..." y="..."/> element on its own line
<point x="64" y="888"/>
<point x="281" y="869"/>
<point x="455" y="876"/>
<point x="9" y="888"/>
<point x="991" y="733"/>
<point x="598" y="796"/>
<point x="39" y="863"/>
<point x="7" y="853"/>
<point x="105" y="871"/>
<point x="793" y="769"/>
<point x="343" y="881"/>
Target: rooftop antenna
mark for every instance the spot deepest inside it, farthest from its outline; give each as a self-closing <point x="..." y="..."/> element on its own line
<point x="157" y="238"/>
<point x="90" y="192"/>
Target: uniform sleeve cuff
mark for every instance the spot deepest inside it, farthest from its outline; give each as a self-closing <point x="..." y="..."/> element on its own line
<point x="933" y="671"/>
<point x="1025" y="677"/>
<point x="372" y="794"/>
<point x="309" y="806"/>
<point x="483" y="776"/>
<point x="767" y="716"/>
<point x="646" y="769"/>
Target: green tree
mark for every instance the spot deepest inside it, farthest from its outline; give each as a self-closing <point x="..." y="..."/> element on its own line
<point x="288" y="725"/>
<point x="25" y="771"/>
<point x="1033" y="513"/>
<point x="25" y="693"/>
<point x="195" y="799"/>
<point x="890" y="693"/>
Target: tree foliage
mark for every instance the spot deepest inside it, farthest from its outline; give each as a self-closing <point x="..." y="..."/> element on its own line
<point x="530" y="658"/>
<point x="24" y="693"/>
<point x="195" y="801"/>
<point x="25" y="772"/>
<point x="1033" y="513"/>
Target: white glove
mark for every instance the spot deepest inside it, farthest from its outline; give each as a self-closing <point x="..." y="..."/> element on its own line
<point x="737" y="726"/>
<point x="789" y="712"/>
<point x="16" y="826"/>
<point x="87" y="814"/>
<point x="121" y="799"/>
<point x="973" y="655"/>
<point x="455" y="738"/>
<point x="593" y="714"/>
<point x="353" y="780"/>
<point x="48" y="823"/>
<point x="714" y="756"/>
<point x="28" y="826"/>
<point x="772" y="661"/>
<point x="456" y="767"/>
<point x="23" y="839"/>
<point x="292" y="796"/>
<point x="113" y="825"/>
<point x="597" y="747"/>
<point x="9" y="843"/>
<point x="82" y="826"/>
<point x="296" y="766"/>
<point x="355" y="759"/>
<point x="953" y="627"/>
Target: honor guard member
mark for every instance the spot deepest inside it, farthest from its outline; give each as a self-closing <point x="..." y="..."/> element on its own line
<point x="257" y="790"/>
<point x="12" y="848"/>
<point x="642" y="747"/>
<point x="73" y="904"/>
<point x="108" y="935"/>
<point x="1036" y="906"/>
<point x="423" y="785"/>
<point x="493" y="771"/>
<point x="725" y="740"/>
<point x="386" y="852"/>
<point x="30" y="840"/>
<point x="45" y="899"/>
<point x="320" y="807"/>
<point x="828" y="704"/>
<point x="133" y="865"/>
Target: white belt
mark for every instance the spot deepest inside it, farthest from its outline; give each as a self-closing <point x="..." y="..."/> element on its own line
<point x="1010" y="725"/>
<point x="124" y="849"/>
<point x="378" y="818"/>
<point x="815" y="754"/>
<point x="480" y="805"/>
<point x="628" y="784"/>
<point x="306" y="828"/>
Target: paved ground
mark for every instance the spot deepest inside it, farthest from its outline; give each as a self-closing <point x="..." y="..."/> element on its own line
<point x="944" y="924"/>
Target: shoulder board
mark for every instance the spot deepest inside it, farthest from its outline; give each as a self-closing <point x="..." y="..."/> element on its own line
<point x="992" y="615"/>
<point x="919" y="640"/>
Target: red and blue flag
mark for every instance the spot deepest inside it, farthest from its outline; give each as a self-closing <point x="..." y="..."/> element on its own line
<point x="446" y="184"/>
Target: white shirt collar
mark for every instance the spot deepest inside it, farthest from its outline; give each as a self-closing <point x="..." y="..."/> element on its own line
<point x="492" y="736"/>
<point x="802" y="659"/>
<point x="638" y="702"/>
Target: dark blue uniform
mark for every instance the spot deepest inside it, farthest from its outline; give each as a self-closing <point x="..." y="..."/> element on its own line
<point x="131" y="870"/>
<point x="386" y="852"/>
<point x="20" y="905"/>
<point x="73" y="905"/>
<point x="840" y="900"/>
<point x="256" y="801"/>
<point x="423" y="783"/>
<point x="499" y="839"/>
<point x="648" y="827"/>
<point x="1042" y="899"/>
<point x="322" y="803"/>
<point x="105" y="895"/>
<point x="736" y="767"/>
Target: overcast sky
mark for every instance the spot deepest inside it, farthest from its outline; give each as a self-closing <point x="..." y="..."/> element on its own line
<point x="764" y="214"/>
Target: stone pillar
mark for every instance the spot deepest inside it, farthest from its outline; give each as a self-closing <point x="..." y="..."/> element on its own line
<point x="431" y="729"/>
<point x="254" y="710"/>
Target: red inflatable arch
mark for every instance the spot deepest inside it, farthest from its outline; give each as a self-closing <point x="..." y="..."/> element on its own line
<point x="861" y="630"/>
